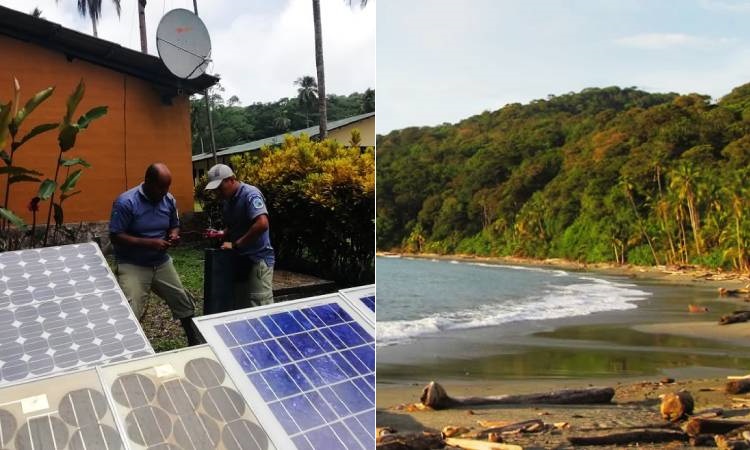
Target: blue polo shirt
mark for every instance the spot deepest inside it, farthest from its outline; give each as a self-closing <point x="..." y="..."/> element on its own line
<point x="133" y="213"/>
<point x="240" y="212"/>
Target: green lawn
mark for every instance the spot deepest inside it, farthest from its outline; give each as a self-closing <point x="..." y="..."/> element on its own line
<point x="162" y="331"/>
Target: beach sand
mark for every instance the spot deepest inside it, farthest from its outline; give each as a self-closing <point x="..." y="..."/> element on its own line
<point x="636" y="400"/>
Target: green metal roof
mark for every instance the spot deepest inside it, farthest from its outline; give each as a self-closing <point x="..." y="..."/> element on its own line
<point x="278" y="139"/>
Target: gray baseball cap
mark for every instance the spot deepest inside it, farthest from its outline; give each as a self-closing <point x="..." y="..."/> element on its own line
<point x="217" y="174"/>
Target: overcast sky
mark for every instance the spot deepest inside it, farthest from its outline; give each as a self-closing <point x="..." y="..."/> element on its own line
<point x="259" y="46"/>
<point x="445" y="60"/>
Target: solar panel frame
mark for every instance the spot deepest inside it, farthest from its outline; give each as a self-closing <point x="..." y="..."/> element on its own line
<point x="268" y="419"/>
<point x="355" y="296"/>
<point x="166" y="368"/>
<point x="66" y="295"/>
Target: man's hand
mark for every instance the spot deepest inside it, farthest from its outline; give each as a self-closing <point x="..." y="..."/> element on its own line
<point x="159" y="244"/>
<point x="227" y="246"/>
<point x="174" y="238"/>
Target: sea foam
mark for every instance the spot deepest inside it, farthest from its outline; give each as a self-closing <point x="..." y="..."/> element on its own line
<point x="586" y="295"/>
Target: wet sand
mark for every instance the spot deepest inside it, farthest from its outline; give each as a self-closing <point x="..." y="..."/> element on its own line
<point x="658" y="339"/>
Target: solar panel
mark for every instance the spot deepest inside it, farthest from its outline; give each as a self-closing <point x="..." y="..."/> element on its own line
<point x="306" y="367"/>
<point x="181" y="400"/>
<point x="60" y="309"/>
<point x="63" y="411"/>
<point x="363" y="298"/>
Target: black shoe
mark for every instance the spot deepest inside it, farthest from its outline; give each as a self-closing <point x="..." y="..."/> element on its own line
<point x="191" y="332"/>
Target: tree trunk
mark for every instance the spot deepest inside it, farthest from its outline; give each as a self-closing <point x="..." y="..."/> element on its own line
<point x="142" y="25"/>
<point x="738" y="386"/>
<point x="735" y="317"/>
<point x="93" y="27"/>
<point x="471" y="444"/>
<point x="410" y="441"/>
<point x="694" y="222"/>
<point x="321" y="73"/>
<point x="630" y="437"/>
<point x="676" y="405"/>
<point x="435" y="396"/>
<point x="643" y="228"/>
<point x="696" y="426"/>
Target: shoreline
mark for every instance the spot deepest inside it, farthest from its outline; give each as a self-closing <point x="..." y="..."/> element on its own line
<point x="671" y="332"/>
<point x="669" y="274"/>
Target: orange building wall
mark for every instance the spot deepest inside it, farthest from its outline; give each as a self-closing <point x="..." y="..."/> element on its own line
<point x="137" y="130"/>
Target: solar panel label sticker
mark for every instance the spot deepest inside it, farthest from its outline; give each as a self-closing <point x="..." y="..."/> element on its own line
<point x="68" y="411"/>
<point x="363" y="298"/>
<point x="307" y="368"/>
<point x="181" y="400"/>
<point x="60" y="309"/>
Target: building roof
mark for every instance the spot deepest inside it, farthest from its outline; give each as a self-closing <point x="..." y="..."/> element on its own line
<point x="73" y="44"/>
<point x="278" y="139"/>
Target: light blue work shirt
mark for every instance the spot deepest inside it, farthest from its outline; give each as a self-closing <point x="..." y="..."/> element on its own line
<point x="133" y="213"/>
<point x="240" y="212"/>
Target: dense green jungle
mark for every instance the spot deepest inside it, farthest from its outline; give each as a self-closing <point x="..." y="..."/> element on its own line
<point x="603" y="175"/>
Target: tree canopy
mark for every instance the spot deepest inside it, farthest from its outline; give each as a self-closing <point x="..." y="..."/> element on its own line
<point x="235" y="123"/>
<point x="606" y="174"/>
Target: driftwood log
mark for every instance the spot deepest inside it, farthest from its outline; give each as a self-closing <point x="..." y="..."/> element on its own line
<point x="676" y="405"/>
<point x="735" y="317"/>
<point x="697" y="425"/>
<point x="724" y="292"/>
<point x="724" y="443"/>
<point x="410" y="441"/>
<point x="702" y="440"/>
<point x="630" y="437"/>
<point x="527" y="425"/>
<point x="435" y="396"/>
<point x="471" y="444"/>
<point x="738" y="386"/>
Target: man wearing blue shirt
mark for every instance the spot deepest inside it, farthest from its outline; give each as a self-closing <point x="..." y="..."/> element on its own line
<point x="247" y="236"/>
<point x="143" y="225"/>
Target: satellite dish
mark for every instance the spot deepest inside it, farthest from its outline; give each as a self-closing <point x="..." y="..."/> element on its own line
<point x="183" y="43"/>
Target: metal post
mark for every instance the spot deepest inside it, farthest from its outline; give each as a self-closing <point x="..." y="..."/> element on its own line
<point x="210" y="125"/>
<point x="208" y="106"/>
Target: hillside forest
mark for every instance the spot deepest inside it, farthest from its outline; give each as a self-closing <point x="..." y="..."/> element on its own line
<point x="603" y="175"/>
<point x="235" y="123"/>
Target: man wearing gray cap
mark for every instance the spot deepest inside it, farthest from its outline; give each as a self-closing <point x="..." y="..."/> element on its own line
<point x="246" y="235"/>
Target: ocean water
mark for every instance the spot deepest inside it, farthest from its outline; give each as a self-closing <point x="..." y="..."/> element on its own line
<point x="421" y="298"/>
<point x="464" y="320"/>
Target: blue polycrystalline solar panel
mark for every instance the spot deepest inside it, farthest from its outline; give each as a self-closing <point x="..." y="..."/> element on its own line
<point x="363" y="298"/>
<point x="60" y="309"/>
<point x="369" y="301"/>
<point x="307" y="368"/>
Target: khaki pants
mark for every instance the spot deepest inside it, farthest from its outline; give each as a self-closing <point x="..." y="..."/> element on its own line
<point x="138" y="281"/>
<point x="256" y="288"/>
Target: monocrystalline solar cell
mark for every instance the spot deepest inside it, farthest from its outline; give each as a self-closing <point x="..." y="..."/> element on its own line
<point x="306" y="367"/>
<point x="60" y="308"/>
<point x="181" y="400"/>
<point x="68" y="411"/>
<point x="362" y="298"/>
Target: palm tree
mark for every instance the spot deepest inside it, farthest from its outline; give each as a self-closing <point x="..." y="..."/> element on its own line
<point x="142" y="25"/>
<point x="308" y="93"/>
<point x="685" y="182"/>
<point x="323" y="115"/>
<point x="627" y="187"/>
<point x="282" y="122"/>
<point x="93" y="8"/>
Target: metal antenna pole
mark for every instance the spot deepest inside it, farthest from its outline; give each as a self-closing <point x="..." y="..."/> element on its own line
<point x="208" y="106"/>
